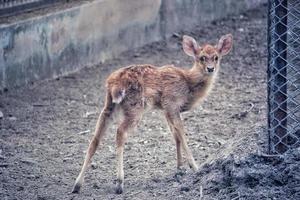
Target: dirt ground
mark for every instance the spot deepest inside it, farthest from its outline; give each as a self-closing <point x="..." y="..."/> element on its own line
<point x="47" y="126"/>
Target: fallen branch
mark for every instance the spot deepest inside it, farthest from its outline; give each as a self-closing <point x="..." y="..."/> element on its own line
<point x="243" y="114"/>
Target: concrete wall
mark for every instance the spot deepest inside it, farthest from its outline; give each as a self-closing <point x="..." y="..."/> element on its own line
<point x="61" y="42"/>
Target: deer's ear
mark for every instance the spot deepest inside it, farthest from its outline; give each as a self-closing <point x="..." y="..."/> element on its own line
<point x="190" y="46"/>
<point x="225" y="44"/>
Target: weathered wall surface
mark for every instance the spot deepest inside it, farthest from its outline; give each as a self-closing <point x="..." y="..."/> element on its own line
<point x="61" y="42"/>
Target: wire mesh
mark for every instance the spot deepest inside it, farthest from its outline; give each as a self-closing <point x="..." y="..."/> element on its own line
<point x="12" y="7"/>
<point x="284" y="75"/>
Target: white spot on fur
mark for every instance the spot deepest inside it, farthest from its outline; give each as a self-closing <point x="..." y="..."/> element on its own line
<point x="118" y="99"/>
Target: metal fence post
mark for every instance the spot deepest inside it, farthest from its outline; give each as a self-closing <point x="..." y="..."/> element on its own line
<point x="277" y="73"/>
<point x="284" y="75"/>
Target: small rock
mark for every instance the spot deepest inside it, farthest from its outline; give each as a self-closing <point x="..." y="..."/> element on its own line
<point x="12" y="118"/>
<point x="2" y="157"/>
<point x="176" y="35"/>
<point x="31" y="176"/>
<point x="175" y="185"/>
<point x="3" y="164"/>
<point x="68" y="142"/>
<point x="94" y="165"/>
<point x="184" y="189"/>
<point x="156" y="180"/>
<point x="66" y="159"/>
<point x="96" y="186"/>
<point x="163" y="162"/>
<point x="88" y="114"/>
<point x="1" y="115"/>
<point x="136" y="55"/>
<point x="20" y="188"/>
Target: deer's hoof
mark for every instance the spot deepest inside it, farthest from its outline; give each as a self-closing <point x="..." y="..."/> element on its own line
<point x="119" y="189"/>
<point x="181" y="171"/>
<point x="194" y="167"/>
<point x="76" y="188"/>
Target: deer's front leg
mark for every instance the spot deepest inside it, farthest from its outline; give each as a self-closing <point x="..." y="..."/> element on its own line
<point x="178" y="144"/>
<point x="178" y="130"/>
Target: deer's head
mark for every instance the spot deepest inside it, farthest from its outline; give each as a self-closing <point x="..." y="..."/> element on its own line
<point x="207" y="57"/>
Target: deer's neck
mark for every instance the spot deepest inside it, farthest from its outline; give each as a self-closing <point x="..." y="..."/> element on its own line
<point x="197" y="77"/>
<point x="200" y="84"/>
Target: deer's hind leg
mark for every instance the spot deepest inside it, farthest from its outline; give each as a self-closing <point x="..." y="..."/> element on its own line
<point x="131" y="118"/>
<point x="103" y="121"/>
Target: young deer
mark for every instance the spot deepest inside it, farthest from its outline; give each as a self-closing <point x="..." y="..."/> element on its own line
<point x="132" y="89"/>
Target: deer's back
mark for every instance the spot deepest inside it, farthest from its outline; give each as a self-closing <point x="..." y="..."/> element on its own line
<point x="147" y="85"/>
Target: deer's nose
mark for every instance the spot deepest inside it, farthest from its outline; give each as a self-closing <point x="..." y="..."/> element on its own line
<point x="210" y="69"/>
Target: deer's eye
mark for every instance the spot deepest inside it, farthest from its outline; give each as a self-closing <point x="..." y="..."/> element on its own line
<point x="202" y="58"/>
<point x="216" y="58"/>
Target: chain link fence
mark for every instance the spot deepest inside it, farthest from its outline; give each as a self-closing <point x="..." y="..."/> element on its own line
<point x="284" y="75"/>
<point x="12" y="7"/>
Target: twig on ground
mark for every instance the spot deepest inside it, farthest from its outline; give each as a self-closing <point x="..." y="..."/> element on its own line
<point x="243" y="114"/>
<point x="41" y="104"/>
<point x="201" y="192"/>
<point x="237" y="197"/>
<point x="84" y="132"/>
<point x="259" y="153"/>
